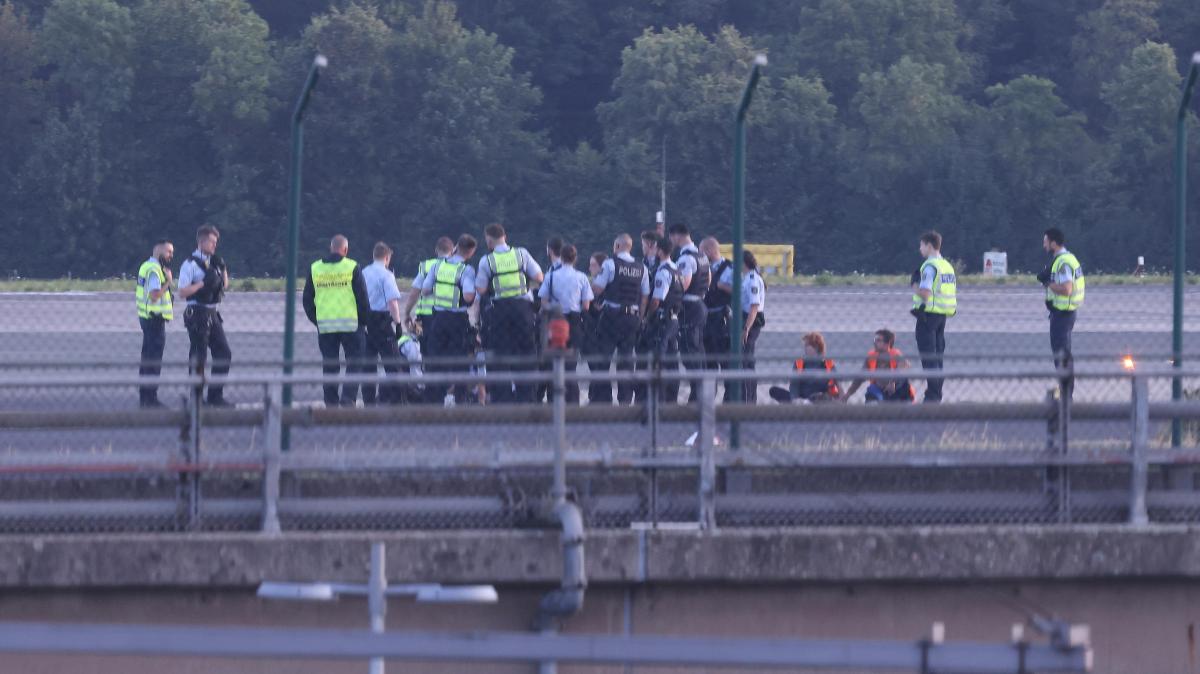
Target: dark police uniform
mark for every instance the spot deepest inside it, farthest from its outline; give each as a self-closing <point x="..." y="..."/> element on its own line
<point x="512" y="329"/>
<point x="693" y="313"/>
<point x="205" y="327"/>
<point x="716" y="326"/>
<point x="624" y="282"/>
<point x="662" y="327"/>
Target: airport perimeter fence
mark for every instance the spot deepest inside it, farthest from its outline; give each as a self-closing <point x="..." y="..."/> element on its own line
<point x="77" y="454"/>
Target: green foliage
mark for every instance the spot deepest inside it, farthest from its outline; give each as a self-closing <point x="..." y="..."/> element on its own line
<point x="989" y="120"/>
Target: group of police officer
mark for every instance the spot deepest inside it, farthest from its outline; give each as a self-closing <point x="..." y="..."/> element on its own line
<point x="671" y="307"/>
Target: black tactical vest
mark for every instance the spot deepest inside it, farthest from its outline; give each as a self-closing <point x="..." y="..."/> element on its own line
<point x="702" y="277"/>
<point x="717" y="298"/>
<point x="214" y="289"/>
<point x="626" y="286"/>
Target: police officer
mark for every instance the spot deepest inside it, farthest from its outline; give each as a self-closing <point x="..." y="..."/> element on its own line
<point x="335" y="300"/>
<point x="423" y="304"/>
<point x="591" y="319"/>
<point x="717" y="303"/>
<point x="383" y="295"/>
<point x="934" y="301"/>
<point x="568" y="290"/>
<point x="451" y="285"/>
<point x="754" y="317"/>
<point x="625" y="285"/>
<point x="649" y="252"/>
<point x="696" y="275"/>
<point x="506" y="275"/>
<point x="155" y="308"/>
<point x="554" y="246"/>
<point x="662" y="319"/>
<point x="1065" y="286"/>
<point x="203" y="279"/>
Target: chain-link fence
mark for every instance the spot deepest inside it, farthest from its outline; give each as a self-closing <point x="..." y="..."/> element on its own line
<point x="77" y="454"/>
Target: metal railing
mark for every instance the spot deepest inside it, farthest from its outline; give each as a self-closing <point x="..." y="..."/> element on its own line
<point x="639" y="474"/>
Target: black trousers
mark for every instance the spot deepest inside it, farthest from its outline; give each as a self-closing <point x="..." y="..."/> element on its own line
<point x="750" y="388"/>
<point x="154" y="342"/>
<point x="616" y="331"/>
<point x="661" y="344"/>
<point x="692" y="322"/>
<point x="1062" y="323"/>
<point x="352" y="344"/>
<point x="381" y="347"/>
<point x="716" y="343"/>
<point x="447" y="340"/>
<point x="206" y="332"/>
<point x="514" y="341"/>
<point x="931" y="343"/>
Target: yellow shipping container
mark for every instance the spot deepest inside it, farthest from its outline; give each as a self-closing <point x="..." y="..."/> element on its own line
<point x="774" y="259"/>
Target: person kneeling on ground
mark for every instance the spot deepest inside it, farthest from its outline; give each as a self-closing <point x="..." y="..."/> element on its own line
<point x="812" y="390"/>
<point x="885" y="355"/>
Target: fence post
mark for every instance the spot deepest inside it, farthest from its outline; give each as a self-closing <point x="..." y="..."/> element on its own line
<point x="708" y="466"/>
<point x="559" y="492"/>
<point x="1140" y="441"/>
<point x="191" y="480"/>
<point x="272" y="455"/>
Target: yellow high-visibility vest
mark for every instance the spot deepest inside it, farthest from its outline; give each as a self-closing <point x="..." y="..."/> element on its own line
<point x="1078" y="284"/>
<point x="424" y="302"/>
<point x="508" y="279"/>
<point x="147" y="307"/>
<point x="447" y="285"/>
<point x="944" y="294"/>
<point x="333" y="291"/>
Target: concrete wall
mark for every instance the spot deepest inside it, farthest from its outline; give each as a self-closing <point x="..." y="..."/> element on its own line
<point x="1137" y="589"/>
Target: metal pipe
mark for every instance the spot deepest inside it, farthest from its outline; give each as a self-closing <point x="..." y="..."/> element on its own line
<point x="566" y="600"/>
<point x="377" y="598"/>
<point x="1181" y="119"/>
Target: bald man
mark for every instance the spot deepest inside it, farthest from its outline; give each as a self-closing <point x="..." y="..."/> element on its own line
<point x="335" y="300"/>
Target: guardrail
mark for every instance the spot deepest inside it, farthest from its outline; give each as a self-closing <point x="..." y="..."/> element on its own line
<point x="1124" y="463"/>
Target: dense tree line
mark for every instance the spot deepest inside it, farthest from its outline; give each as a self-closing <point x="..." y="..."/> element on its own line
<point x="990" y="120"/>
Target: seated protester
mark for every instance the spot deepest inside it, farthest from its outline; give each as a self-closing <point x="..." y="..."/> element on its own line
<point x="885" y="356"/>
<point x="812" y="390"/>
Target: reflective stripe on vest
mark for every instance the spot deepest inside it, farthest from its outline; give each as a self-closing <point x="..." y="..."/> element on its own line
<point x="873" y="360"/>
<point x="333" y="291"/>
<point x="147" y="307"/>
<point x="425" y="302"/>
<point x="944" y="294"/>
<point x="508" y="279"/>
<point x="447" y="285"/>
<point x="1078" y="284"/>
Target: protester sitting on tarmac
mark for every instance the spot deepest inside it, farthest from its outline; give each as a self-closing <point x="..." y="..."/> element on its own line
<point x="886" y="356"/>
<point x="811" y="390"/>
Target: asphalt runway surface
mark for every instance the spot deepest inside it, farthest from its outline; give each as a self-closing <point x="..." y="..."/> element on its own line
<point x="997" y="326"/>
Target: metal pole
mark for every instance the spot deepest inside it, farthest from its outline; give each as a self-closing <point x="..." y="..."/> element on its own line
<point x="377" y="598"/>
<point x="1180" y="238"/>
<point x="560" y="431"/>
<point x="289" y="317"/>
<point x="739" y="203"/>
<point x="1139" y="444"/>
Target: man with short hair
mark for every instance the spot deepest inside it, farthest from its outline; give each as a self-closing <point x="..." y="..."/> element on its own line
<point x="203" y="279"/>
<point x="695" y="274"/>
<point x="383" y="296"/>
<point x="718" y="305"/>
<point x="335" y="300"/>
<point x="452" y="285"/>
<point x="1065" y="286"/>
<point x="416" y="299"/>
<point x="507" y="275"/>
<point x="625" y="284"/>
<point x="934" y="301"/>
<point x="884" y="356"/>
<point x="155" y="308"/>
